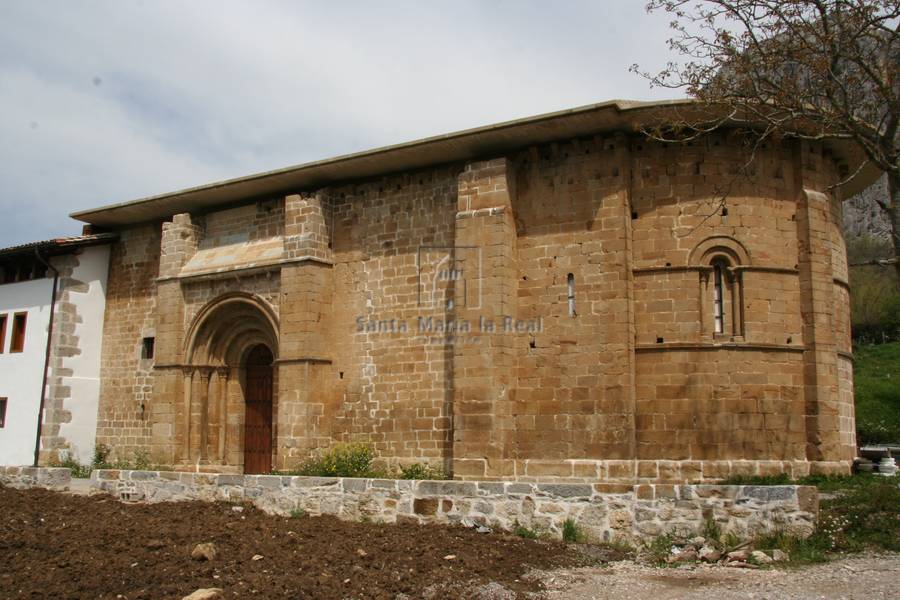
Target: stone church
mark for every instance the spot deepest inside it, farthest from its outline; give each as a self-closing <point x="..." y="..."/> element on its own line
<point x="555" y="298"/>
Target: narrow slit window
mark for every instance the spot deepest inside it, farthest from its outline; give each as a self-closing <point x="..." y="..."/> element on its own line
<point x="2" y="413"/>
<point x="2" y="334"/>
<point x="148" y="345"/>
<point x="571" y="294"/>
<point x="17" y="344"/>
<point x="718" y="298"/>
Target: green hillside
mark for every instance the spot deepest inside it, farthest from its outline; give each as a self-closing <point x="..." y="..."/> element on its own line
<point x="877" y="382"/>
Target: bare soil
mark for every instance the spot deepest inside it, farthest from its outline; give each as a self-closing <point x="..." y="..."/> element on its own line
<point x="56" y="545"/>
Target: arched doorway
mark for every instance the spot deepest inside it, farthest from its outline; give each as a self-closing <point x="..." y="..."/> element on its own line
<point x="226" y="421"/>
<point x="258" y="415"/>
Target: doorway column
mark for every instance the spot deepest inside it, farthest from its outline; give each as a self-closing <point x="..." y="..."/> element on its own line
<point x="222" y="374"/>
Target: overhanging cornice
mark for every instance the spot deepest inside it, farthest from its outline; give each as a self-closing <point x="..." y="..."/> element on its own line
<point x="492" y="140"/>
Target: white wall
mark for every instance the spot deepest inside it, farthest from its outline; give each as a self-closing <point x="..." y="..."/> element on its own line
<point x="21" y="374"/>
<point x="81" y="431"/>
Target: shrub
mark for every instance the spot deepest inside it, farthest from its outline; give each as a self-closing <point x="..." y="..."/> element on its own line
<point x="77" y="469"/>
<point x="420" y="471"/>
<point x="711" y="530"/>
<point x="141" y="460"/>
<point x="658" y="550"/>
<point x="341" y="460"/>
<point x="101" y="456"/>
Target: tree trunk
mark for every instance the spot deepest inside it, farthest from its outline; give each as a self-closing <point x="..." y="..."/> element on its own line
<point x="894" y="214"/>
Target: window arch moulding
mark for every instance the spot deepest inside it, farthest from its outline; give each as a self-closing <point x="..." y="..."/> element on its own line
<point x="721" y="293"/>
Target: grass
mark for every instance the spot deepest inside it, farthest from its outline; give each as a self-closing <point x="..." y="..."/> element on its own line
<point x="523" y="532"/>
<point x="876" y="374"/>
<point x="863" y="513"/>
<point x="780" y="479"/>
<point x="101" y="460"/>
<point x="572" y="533"/>
<point x="800" y="551"/>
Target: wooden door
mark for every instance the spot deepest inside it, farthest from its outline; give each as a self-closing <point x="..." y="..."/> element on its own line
<point x="258" y="415"/>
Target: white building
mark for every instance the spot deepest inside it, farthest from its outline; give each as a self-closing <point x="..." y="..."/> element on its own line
<point x="52" y="302"/>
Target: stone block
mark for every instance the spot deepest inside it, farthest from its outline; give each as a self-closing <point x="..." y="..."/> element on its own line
<point x="307" y="482"/>
<point x="565" y="490"/>
<point x="768" y="493"/>
<point x="613" y="488"/>
<point x="354" y="485"/>
<point x="225" y="479"/>
<point x="446" y="488"/>
<point x="808" y="499"/>
<point x="492" y="488"/>
<point x="425" y="506"/>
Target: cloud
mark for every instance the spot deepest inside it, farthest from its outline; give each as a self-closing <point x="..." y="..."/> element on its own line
<point x="107" y="101"/>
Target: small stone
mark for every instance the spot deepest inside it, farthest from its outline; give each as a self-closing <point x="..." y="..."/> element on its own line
<point x="257" y="557"/>
<point x="155" y="545"/>
<point x="204" y="551"/>
<point x="361" y="553"/>
<point x="683" y="556"/>
<point x="450" y="557"/>
<point x="779" y="556"/>
<point x="739" y="555"/>
<point x="483" y="529"/>
<point x="237" y="509"/>
<point x="761" y="557"/>
<point x="698" y="541"/>
<point x="742" y="565"/>
<point x="204" y="594"/>
<point x="709" y="554"/>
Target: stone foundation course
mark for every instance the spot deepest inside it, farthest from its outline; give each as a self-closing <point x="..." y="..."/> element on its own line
<point x="604" y="512"/>
<point x="51" y="478"/>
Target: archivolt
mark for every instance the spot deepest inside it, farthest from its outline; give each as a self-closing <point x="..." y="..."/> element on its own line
<point x="225" y="330"/>
<point x="719" y="245"/>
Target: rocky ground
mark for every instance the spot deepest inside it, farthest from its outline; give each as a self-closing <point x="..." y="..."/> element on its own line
<point x="869" y="577"/>
<point x="67" y="546"/>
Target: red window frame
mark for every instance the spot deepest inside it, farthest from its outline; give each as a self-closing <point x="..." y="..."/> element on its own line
<point x="20" y="324"/>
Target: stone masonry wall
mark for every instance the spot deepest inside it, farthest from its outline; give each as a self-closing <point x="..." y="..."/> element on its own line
<point x="390" y="386"/>
<point x="50" y="478"/>
<point x="629" y="380"/>
<point x="605" y="512"/>
<point x="126" y="391"/>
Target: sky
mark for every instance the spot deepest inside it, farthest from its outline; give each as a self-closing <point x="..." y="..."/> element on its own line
<point x="110" y="101"/>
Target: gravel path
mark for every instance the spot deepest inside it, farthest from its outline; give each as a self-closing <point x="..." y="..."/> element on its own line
<point x="869" y="577"/>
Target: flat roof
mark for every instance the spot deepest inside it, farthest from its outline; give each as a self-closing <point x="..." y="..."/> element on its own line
<point x="626" y="116"/>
